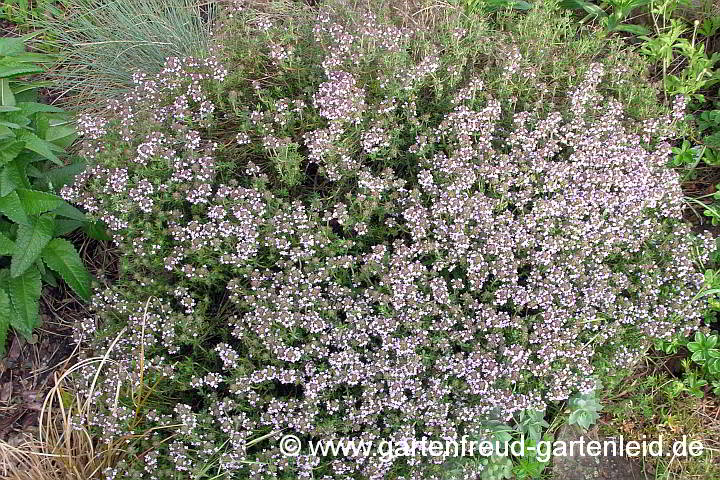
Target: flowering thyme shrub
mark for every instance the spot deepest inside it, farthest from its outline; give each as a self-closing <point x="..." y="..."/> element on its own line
<point x="358" y="233"/>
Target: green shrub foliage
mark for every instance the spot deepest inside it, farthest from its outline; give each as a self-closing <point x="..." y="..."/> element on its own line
<point x="32" y="134"/>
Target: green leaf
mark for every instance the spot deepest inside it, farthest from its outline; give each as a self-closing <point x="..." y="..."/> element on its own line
<point x="11" y="207"/>
<point x="610" y="23"/>
<point x="16" y="118"/>
<point x="8" y="108"/>
<point x="572" y="4"/>
<point x="706" y="293"/>
<point x="6" y="96"/>
<point x="33" y="172"/>
<point x="40" y="266"/>
<point x="40" y="146"/>
<point x="594" y="10"/>
<point x="591" y="8"/>
<point x="97" y="230"/>
<point x="30" y="57"/>
<point x="520" y="5"/>
<point x="65" y="226"/>
<point x="59" y="177"/>
<point x="631" y="28"/>
<point x="33" y="107"/>
<point x="36" y="202"/>
<point x="68" y="211"/>
<point x="17" y="69"/>
<point x="11" y="125"/>
<point x="27" y="86"/>
<point x="9" y="149"/>
<point x="42" y="124"/>
<point x="583" y="418"/>
<point x="7" y="246"/>
<point x="584" y="409"/>
<point x="496" y="5"/>
<point x="61" y="256"/>
<point x="4" y="319"/>
<point x="49" y="277"/>
<point x="61" y="134"/>
<point x="30" y="242"/>
<point x="12" y="177"/>
<point x="11" y="46"/>
<point x="24" y="295"/>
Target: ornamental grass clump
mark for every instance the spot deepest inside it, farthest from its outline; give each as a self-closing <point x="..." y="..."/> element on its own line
<point x="102" y="42"/>
<point x="357" y="225"/>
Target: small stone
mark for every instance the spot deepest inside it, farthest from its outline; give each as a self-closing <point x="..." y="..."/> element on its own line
<point x="584" y="467"/>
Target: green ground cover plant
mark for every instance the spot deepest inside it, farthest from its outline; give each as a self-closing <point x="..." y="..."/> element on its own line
<point x="664" y="396"/>
<point x="701" y="354"/>
<point x="376" y="224"/>
<point x="21" y="12"/>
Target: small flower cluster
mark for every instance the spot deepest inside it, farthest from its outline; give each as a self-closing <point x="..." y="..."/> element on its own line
<point x="339" y="98"/>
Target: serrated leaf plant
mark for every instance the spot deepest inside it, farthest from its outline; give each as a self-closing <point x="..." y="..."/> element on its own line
<point x="31" y="216"/>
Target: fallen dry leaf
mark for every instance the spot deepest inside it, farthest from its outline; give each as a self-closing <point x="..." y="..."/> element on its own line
<point x="6" y="392"/>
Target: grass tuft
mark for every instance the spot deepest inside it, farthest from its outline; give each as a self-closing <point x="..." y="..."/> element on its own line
<point x="102" y="43"/>
<point x="66" y="448"/>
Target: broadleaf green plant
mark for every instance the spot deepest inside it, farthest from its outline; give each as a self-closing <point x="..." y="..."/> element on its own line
<point x="702" y="368"/>
<point x="610" y="13"/>
<point x="531" y="423"/>
<point x="584" y="409"/>
<point x="532" y="464"/>
<point x="31" y="134"/>
<point x="496" y="5"/>
<point x="497" y="467"/>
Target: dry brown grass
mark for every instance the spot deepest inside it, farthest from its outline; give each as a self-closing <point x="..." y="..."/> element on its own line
<point x="64" y="447"/>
